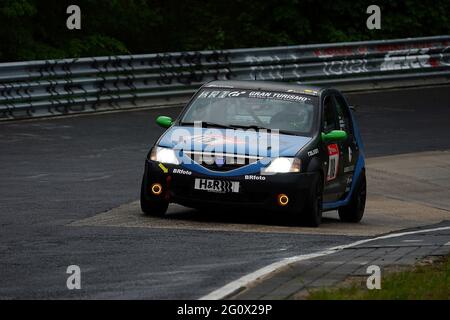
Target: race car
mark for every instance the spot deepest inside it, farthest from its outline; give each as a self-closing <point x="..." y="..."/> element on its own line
<point x="256" y="145"/>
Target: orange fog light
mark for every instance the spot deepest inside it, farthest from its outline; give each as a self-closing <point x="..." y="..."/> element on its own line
<point x="156" y="189"/>
<point x="282" y="199"/>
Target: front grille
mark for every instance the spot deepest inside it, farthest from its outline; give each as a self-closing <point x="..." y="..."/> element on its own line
<point x="221" y="161"/>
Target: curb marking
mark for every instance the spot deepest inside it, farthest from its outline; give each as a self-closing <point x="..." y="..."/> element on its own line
<point x="242" y="282"/>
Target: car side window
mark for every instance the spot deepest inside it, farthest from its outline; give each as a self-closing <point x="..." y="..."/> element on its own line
<point x="329" y="116"/>
<point x="344" y="117"/>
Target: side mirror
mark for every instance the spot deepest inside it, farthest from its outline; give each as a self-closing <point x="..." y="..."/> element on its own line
<point x="335" y="135"/>
<point x="164" y="121"/>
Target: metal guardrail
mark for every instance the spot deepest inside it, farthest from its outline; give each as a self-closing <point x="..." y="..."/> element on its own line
<point x="47" y="87"/>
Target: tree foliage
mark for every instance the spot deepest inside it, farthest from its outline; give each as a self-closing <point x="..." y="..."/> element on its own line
<point x="36" y="29"/>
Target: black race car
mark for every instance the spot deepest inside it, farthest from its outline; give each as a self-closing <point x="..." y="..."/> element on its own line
<point x="270" y="146"/>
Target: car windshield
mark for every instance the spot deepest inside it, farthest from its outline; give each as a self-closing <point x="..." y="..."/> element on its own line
<point x="288" y="112"/>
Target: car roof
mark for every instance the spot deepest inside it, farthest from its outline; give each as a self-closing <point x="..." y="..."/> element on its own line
<point x="265" y="85"/>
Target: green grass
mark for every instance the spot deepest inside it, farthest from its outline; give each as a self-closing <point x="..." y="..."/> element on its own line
<point x="426" y="282"/>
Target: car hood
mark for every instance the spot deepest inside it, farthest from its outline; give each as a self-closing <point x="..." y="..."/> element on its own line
<point x="247" y="142"/>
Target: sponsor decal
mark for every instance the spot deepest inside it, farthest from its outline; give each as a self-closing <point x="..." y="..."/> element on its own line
<point x="220" y="94"/>
<point x="350" y="154"/>
<point x="253" y="177"/>
<point x="345" y="67"/>
<point x="406" y="59"/>
<point x="313" y="152"/>
<point x="163" y="168"/>
<point x="340" y="51"/>
<point x="181" y="171"/>
<point x="236" y="93"/>
<point x="218" y="186"/>
<point x="333" y="156"/>
<point x="278" y="96"/>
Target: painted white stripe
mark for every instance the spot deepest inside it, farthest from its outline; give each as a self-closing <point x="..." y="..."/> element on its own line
<point x="107" y="176"/>
<point x="244" y="281"/>
<point x="37" y="176"/>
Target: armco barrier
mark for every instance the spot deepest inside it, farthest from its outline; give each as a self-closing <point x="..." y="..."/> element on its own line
<point x="54" y="87"/>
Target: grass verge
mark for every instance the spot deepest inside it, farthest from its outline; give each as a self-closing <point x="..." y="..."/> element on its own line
<point x="429" y="280"/>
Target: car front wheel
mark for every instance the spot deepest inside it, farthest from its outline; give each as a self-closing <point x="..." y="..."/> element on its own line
<point x="311" y="215"/>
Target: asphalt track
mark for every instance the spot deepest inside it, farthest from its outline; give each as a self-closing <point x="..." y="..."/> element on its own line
<point x="60" y="178"/>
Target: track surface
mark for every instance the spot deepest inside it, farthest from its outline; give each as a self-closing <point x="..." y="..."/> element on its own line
<point x="405" y="191"/>
<point x="59" y="171"/>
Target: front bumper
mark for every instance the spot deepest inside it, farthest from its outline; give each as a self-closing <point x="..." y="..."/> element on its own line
<point x="258" y="194"/>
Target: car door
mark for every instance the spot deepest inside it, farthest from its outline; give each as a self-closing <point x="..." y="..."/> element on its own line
<point x="334" y="186"/>
<point x="349" y="147"/>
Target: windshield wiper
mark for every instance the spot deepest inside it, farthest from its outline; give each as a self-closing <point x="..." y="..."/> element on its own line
<point x="252" y="126"/>
<point x="207" y="124"/>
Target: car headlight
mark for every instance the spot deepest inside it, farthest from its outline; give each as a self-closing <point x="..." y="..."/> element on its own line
<point x="282" y="164"/>
<point x="164" y="155"/>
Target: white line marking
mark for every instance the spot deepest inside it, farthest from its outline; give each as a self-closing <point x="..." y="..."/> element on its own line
<point x="37" y="176"/>
<point x="447" y="244"/>
<point x="107" y="176"/>
<point x="412" y="241"/>
<point x="235" y="285"/>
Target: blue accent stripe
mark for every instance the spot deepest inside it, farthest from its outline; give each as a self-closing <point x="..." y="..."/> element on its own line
<point x="360" y="164"/>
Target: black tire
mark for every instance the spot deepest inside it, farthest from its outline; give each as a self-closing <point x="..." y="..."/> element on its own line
<point x="311" y="215"/>
<point x="156" y="208"/>
<point x="354" y="211"/>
